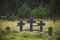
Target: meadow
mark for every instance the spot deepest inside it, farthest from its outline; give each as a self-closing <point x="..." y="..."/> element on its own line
<point x="27" y="35"/>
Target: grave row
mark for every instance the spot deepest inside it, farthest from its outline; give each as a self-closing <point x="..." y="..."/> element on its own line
<point x="49" y="30"/>
<point x="31" y="21"/>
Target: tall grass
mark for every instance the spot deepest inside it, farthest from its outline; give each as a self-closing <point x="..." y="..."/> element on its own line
<point x="27" y="36"/>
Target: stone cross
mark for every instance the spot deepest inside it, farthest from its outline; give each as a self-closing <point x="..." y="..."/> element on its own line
<point x="21" y="25"/>
<point x="50" y="30"/>
<point x="31" y="21"/>
<point x="41" y="24"/>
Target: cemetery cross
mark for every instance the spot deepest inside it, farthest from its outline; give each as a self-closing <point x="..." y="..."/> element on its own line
<point x="31" y="21"/>
<point x="21" y="25"/>
<point x="41" y="24"/>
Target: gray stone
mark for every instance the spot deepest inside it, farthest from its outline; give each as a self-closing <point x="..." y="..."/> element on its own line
<point x="50" y="30"/>
<point x="41" y="24"/>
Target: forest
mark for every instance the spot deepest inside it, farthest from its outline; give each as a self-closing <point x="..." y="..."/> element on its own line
<point x="14" y="9"/>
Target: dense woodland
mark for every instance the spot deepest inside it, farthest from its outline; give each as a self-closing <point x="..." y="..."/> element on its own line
<point x="11" y="9"/>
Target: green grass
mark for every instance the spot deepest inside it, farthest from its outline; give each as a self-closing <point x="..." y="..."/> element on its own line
<point x="27" y="35"/>
<point x="13" y="25"/>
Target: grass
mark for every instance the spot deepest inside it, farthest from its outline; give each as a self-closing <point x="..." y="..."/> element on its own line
<point x="13" y="25"/>
<point x="26" y="35"/>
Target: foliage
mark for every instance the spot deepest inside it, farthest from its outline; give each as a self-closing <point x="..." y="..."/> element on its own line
<point x="24" y="11"/>
<point x="39" y="12"/>
<point x="52" y="8"/>
<point x="14" y="8"/>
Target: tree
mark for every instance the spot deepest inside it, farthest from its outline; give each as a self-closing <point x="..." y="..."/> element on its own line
<point x="24" y="11"/>
<point x="52" y="10"/>
<point x="39" y="12"/>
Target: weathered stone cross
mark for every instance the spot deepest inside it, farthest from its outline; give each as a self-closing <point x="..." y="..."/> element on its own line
<point x="31" y="21"/>
<point x="21" y="25"/>
<point x="41" y="24"/>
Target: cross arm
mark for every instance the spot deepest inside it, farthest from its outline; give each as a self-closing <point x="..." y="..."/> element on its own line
<point x="18" y="24"/>
<point x="38" y="24"/>
<point x="23" y="23"/>
<point x="28" y="21"/>
<point x="44" y="24"/>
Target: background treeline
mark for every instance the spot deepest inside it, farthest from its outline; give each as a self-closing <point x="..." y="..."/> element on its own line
<point x="12" y="9"/>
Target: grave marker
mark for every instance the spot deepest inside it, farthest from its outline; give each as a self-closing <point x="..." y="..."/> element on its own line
<point x="50" y="30"/>
<point x="7" y="29"/>
<point x="41" y="24"/>
<point x="31" y="21"/>
<point x="21" y="25"/>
